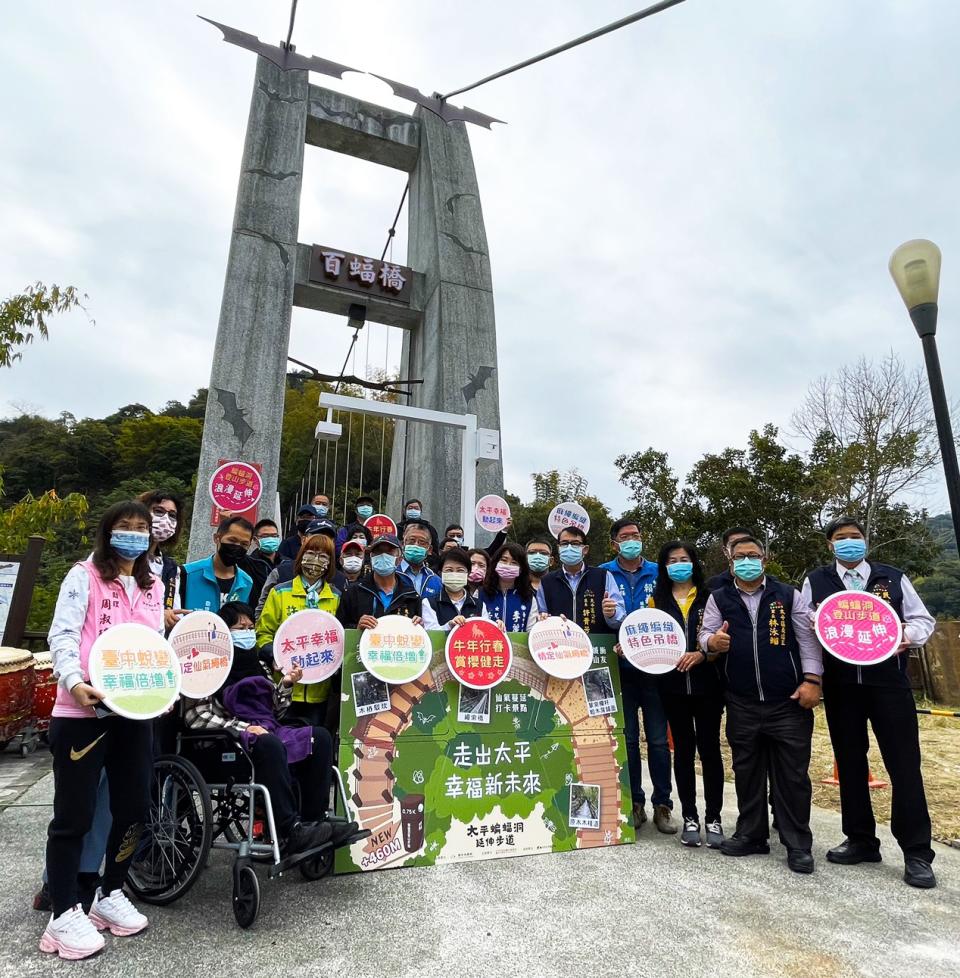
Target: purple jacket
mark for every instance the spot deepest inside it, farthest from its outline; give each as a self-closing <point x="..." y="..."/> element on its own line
<point x="251" y="700"/>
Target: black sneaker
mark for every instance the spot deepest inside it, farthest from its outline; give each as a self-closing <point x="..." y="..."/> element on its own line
<point x="342" y="831"/>
<point x="850" y="853"/>
<point x="736" y="846"/>
<point x="303" y="837"/>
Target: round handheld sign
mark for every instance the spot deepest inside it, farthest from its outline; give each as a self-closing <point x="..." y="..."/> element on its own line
<point x="137" y="669"/>
<point x="396" y="651"/>
<point x="858" y="627"/>
<point x="205" y="649"/>
<point x="568" y="514"/>
<point x="311" y="639"/>
<point x="560" y="648"/>
<point x="380" y="526"/>
<point x="236" y="486"/>
<point x="478" y="653"/>
<point x="492" y="513"/>
<point x="652" y="640"/>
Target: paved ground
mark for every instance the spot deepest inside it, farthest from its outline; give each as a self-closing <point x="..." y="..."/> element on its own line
<point x="654" y="909"/>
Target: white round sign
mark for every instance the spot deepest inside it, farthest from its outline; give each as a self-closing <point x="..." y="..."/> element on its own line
<point x="396" y="651"/>
<point x="137" y="669"/>
<point x="560" y="648"/>
<point x="568" y="514"/>
<point x="492" y="513"/>
<point x="652" y="640"/>
<point x="205" y="649"/>
<point x="311" y="639"/>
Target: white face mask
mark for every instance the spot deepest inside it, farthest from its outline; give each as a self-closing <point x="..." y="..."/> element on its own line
<point x="352" y="564"/>
<point x="454" y="580"/>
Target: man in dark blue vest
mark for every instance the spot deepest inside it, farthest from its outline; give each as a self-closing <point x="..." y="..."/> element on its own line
<point x="587" y="595"/>
<point x="881" y="694"/>
<point x="772" y="663"/>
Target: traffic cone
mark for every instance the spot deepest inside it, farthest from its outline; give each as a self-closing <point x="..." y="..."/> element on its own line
<point x="872" y="782"/>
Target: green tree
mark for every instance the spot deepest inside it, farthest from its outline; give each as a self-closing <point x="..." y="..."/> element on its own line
<point x="155" y="442"/>
<point x="25" y="314"/>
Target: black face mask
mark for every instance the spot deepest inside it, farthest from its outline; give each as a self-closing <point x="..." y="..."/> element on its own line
<point x="302" y="526"/>
<point x="231" y="553"/>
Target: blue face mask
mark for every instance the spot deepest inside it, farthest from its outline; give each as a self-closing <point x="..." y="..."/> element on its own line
<point x="269" y="545"/>
<point x="364" y="512"/>
<point x="130" y="543"/>
<point x="413" y="514"/>
<point x="850" y="550"/>
<point x="631" y="549"/>
<point x="748" y="568"/>
<point x="538" y="562"/>
<point x="571" y="554"/>
<point x="383" y="564"/>
<point x="323" y="510"/>
<point x="680" y="572"/>
<point x="414" y="554"/>
<point x="244" y="638"/>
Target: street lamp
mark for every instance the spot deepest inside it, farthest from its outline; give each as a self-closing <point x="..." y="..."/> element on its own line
<point x="915" y="267"/>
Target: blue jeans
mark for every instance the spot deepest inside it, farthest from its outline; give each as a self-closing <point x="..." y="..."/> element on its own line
<point x="641" y="692"/>
<point x="95" y="841"/>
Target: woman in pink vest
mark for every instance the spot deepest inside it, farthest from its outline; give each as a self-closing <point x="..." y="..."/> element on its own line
<point x="113" y="587"/>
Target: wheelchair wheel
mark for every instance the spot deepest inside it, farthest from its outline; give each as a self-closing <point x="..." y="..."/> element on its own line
<point x="317" y="866"/>
<point x="246" y="894"/>
<point x="177" y="837"/>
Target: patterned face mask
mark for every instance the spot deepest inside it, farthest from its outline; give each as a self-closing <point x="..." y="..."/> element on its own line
<point x="314" y="565"/>
<point x="163" y="527"/>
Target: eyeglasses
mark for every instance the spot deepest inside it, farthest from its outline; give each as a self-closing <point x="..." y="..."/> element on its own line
<point x="162" y="511"/>
<point x="623" y="537"/>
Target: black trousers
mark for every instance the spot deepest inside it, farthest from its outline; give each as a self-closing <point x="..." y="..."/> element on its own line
<point x="312" y="775"/>
<point x="81" y="749"/>
<point x="771" y="741"/>
<point x="892" y="713"/>
<point x="695" y="725"/>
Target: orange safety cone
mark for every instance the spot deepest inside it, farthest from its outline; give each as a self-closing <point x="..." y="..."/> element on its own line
<point x="872" y="782"/>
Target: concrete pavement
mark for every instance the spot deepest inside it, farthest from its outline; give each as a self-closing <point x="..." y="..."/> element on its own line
<point x="654" y="909"/>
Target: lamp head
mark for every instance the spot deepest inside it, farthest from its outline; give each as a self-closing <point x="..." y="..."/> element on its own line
<point x="915" y="267"/>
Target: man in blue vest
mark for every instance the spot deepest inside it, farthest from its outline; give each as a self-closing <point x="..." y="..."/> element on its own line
<point x="772" y="663"/>
<point x="635" y="578"/>
<point x="587" y="595"/>
<point x="881" y="694"/>
<point x="417" y="547"/>
<point x="213" y="581"/>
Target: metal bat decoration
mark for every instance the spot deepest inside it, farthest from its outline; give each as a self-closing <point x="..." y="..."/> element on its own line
<point x="234" y="415"/>
<point x="287" y="58"/>
<point x="283" y="58"/>
<point x="478" y="382"/>
<point x="436" y="105"/>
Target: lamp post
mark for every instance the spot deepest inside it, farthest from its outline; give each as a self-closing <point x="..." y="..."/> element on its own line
<point x="915" y="267"/>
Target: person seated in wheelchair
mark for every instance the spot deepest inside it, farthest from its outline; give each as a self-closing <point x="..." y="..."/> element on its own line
<point x="251" y="707"/>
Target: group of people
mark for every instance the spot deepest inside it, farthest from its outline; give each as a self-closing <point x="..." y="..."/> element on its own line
<point x="751" y="652"/>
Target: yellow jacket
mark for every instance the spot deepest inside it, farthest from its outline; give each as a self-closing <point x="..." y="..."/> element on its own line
<point x="282" y="602"/>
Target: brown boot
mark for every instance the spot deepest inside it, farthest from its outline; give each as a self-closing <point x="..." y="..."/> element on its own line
<point x="663" y="819"/>
<point x="639" y="814"/>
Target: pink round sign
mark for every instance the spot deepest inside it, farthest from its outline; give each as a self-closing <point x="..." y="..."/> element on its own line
<point x="858" y="627"/>
<point x="236" y="486"/>
<point x="492" y="513"/>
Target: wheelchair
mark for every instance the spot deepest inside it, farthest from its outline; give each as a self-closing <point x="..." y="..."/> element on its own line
<point x="205" y="796"/>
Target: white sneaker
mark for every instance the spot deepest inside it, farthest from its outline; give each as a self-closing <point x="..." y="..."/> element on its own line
<point x="116" y="914"/>
<point x="71" y="935"/>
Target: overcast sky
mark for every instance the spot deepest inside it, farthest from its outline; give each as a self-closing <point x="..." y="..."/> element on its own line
<point x="688" y="220"/>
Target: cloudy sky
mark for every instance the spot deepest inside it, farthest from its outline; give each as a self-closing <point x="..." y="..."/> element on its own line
<point x="688" y="220"/>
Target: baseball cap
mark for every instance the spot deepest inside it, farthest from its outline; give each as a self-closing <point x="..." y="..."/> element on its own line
<point x="388" y="538"/>
<point x="321" y="526"/>
<point x="308" y="509"/>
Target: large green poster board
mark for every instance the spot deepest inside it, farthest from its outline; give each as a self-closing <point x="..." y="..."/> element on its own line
<point x="434" y="783"/>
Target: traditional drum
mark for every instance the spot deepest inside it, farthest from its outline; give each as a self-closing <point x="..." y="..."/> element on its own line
<point x="16" y="691"/>
<point x="44" y="691"/>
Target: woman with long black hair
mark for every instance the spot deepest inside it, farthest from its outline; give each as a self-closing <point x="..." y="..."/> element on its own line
<point x="507" y="593"/>
<point x="114" y="586"/>
<point x="692" y="694"/>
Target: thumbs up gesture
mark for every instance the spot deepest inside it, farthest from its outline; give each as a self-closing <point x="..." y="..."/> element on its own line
<point x="609" y="606"/>
<point x="720" y="639"/>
